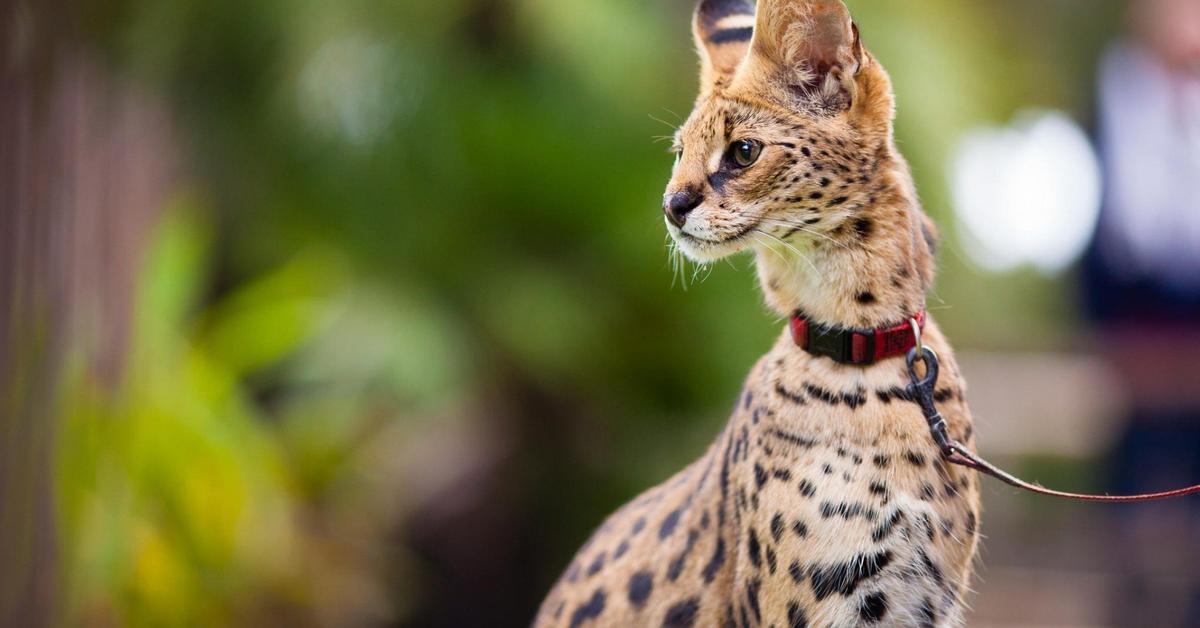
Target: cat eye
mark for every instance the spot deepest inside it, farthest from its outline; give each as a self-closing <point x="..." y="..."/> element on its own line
<point x="745" y="152"/>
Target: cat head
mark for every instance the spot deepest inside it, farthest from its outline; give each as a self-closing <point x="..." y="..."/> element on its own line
<point x="787" y="133"/>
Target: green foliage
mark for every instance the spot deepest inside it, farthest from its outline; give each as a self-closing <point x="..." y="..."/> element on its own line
<point x="159" y="476"/>
<point x="184" y="501"/>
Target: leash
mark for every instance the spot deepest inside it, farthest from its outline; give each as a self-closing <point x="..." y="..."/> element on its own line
<point x="921" y="390"/>
<point x="862" y="347"/>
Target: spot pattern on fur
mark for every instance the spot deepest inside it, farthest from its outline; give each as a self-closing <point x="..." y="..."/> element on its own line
<point x="874" y="607"/>
<point x="682" y="614"/>
<point x="641" y="584"/>
<point x="590" y="610"/>
<point x="844" y="578"/>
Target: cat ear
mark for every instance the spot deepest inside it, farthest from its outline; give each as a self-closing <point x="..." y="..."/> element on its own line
<point x="723" y="30"/>
<point x="813" y="43"/>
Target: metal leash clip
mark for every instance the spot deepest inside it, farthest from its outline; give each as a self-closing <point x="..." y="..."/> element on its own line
<point x="922" y="389"/>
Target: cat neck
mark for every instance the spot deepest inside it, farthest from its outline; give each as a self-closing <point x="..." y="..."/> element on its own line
<point x="871" y="269"/>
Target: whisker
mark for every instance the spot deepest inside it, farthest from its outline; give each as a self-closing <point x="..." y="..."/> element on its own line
<point x="672" y="259"/>
<point x="706" y="269"/>
<point x="682" y="262"/>
<point x="781" y="241"/>
<point x="656" y="119"/>
<point x="795" y="250"/>
<point x="805" y="229"/>
<point x="768" y="244"/>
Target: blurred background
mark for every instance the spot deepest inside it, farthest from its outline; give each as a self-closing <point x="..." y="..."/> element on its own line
<point x="360" y="313"/>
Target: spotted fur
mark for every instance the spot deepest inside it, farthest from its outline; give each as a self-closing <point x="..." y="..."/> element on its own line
<point x="824" y="502"/>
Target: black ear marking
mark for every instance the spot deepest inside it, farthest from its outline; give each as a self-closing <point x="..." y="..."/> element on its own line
<point x="723" y="30"/>
<point x="711" y="13"/>
<point x="729" y="35"/>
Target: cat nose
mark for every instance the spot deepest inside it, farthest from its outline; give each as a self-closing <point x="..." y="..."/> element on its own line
<point x="677" y="206"/>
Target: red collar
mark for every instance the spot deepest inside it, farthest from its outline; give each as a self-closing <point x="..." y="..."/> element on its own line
<point x="848" y="345"/>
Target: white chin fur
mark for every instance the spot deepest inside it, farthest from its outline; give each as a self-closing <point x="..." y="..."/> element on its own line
<point x="702" y="251"/>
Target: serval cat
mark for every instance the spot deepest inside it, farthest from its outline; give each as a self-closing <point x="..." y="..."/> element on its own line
<point x="824" y="502"/>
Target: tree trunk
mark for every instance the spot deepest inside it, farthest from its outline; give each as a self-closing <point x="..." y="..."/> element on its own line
<point x="84" y="166"/>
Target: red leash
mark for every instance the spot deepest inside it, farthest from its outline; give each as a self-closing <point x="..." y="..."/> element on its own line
<point x="921" y="390"/>
<point x="959" y="455"/>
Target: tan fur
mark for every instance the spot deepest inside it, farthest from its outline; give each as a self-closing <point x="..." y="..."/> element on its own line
<point x="824" y="502"/>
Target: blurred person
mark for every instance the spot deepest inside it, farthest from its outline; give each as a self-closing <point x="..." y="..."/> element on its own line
<point x="1142" y="287"/>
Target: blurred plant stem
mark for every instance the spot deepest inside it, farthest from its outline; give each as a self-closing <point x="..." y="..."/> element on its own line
<point x="84" y="163"/>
